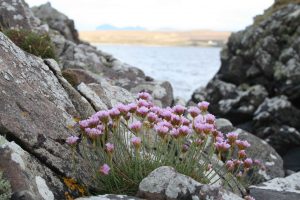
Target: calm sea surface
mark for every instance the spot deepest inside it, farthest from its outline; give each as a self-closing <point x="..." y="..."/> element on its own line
<point x="186" y="68"/>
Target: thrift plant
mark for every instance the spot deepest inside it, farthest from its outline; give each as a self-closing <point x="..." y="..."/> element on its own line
<point x="124" y="144"/>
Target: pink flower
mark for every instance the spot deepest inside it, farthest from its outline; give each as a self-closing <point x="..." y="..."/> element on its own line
<point x="136" y="126"/>
<point x="124" y="109"/>
<point x="198" y="142"/>
<point x="143" y="103"/>
<point x="210" y="119"/>
<point x="72" y="140"/>
<point x="144" y="95"/>
<point x="152" y="117"/>
<point x="93" y="120"/>
<point x="242" y="154"/>
<point x="93" y="132"/>
<point x="229" y="165"/>
<point x="114" y="113"/>
<point x="166" y="114"/>
<point x="203" y="106"/>
<point x="248" y="197"/>
<point x="142" y="111"/>
<point x="104" y="169"/>
<point x="175" y="133"/>
<point x="84" y="124"/>
<point x="103" y="116"/>
<point x="222" y="146"/>
<point x="161" y="130"/>
<point x="175" y="119"/>
<point x="184" y="130"/>
<point x="199" y="128"/>
<point x="232" y="137"/>
<point x="242" y="144"/>
<point x="248" y="163"/>
<point x="132" y="107"/>
<point x="185" y="121"/>
<point x="109" y="147"/>
<point x="136" y="142"/>
<point x="185" y="148"/>
<point x="194" y="111"/>
<point x="179" y="109"/>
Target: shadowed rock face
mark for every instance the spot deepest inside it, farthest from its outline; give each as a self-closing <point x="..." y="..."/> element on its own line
<point x="258" y="85"/>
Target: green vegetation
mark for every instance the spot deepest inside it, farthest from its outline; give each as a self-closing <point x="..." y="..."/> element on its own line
<point x="276" y="6"/>
<point x="36" y="44"/>
<point x="5" y="188"/>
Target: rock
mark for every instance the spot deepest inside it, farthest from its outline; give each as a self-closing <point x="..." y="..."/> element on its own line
<point x="278" y="189"/>
<point x="277" y="121"/>
<point x="17" y="14"/>
<point x="57" y="21"/>
<point x="109" y="197"/>
<point x="166" y="183"/>
<point x="83" y="107"/>
<point x="265" y="153"/>
<point x="259" y="66"/>
<point x="161" y="92"/>
<point x="35" y="110"/>
<point x="259" y="150"/>
<point x="292" y="159"/>
<point x="29" y="179"/>
<point x="77" y="76"/>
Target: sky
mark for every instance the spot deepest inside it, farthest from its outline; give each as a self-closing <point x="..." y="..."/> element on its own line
<point x="220" y="15"/>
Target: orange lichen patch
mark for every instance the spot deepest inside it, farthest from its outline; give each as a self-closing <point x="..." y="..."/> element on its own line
<point x="74" y="189"/>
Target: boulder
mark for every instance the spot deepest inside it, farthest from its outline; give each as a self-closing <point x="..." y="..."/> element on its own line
<point x="277" y="121"/>
<point x="165" y="183"/>
<point x="17" y="14"/>
<point x="258" y="84"/>
<point x="278" y="189"/>
<point x="28" y="177"/>
<point x="57" y="21"/>
<point x="35" y="110"/>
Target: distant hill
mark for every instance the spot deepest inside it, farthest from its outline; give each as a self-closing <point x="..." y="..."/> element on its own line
<point x="168" y="38"/>
<point x="108" y="27"/>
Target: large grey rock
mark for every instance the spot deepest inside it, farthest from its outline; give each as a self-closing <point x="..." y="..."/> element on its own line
<point x="258" y="66"/>
<point x="35" y="110"/>
<point x="165" y="183"/>
<point x="29" y="179"/>
<point x="277" y="121"/>
<point x="278" y="189"/>
<point x="17" y="14"/>
<point x="57" y="21"/>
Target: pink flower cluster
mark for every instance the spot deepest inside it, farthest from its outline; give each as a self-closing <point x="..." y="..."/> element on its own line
<point x="172" y="123"/>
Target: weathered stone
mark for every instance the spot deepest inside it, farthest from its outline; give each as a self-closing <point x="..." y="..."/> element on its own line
<point x="35" y="110"/>
<point x="17" y="14"/>
<point x="57" y="21"/>
<point x="28" y="177"/>
<point x="165" y="183"/>
<point x="278" y="189"/>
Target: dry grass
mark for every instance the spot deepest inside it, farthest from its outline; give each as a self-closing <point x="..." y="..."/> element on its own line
<point x="193" y="38"/>
<point x="276" y="6"/>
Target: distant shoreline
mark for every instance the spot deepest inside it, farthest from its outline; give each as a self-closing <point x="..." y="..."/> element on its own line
<point x="202" y="38"/>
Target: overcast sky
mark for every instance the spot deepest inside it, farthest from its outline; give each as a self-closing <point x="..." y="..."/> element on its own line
<point x="228" y="15"/>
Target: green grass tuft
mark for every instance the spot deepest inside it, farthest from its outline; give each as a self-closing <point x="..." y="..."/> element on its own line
<point x="36" y="44"/>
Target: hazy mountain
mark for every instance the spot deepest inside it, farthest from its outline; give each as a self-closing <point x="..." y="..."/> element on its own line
<point x="127" y="28"/>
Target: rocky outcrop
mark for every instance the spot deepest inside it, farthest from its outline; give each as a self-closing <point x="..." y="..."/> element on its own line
<point x="278" y="189"/>
<point x="165" y="183"/>
<point x="257" y="86"/>
<point x="57" y="21"/>
<point x="17" y="14"/>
